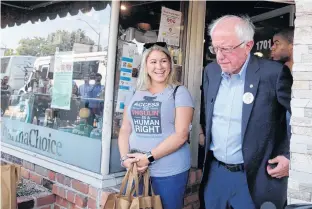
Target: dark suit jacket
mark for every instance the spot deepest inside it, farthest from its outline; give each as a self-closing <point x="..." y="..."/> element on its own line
<point x="264" y="134"/>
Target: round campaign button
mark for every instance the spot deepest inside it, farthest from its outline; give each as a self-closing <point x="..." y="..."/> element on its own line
<point x="248" y="98"/>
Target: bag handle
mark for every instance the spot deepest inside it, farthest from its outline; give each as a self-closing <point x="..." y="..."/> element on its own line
<point x="147" y="184"/>
<point x="125" y="180"/>
<point x="135" y="180"/>
<point x="130" y="178"/>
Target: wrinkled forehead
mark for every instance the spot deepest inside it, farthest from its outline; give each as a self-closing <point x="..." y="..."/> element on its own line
<point x="224" y="38"/>
<point x="224" y="34"/>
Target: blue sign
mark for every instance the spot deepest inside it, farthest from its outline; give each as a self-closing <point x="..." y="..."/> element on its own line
<point x="79" y="151"/>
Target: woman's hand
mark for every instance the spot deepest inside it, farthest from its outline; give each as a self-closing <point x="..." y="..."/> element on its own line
<point x="142" y="161"/>
<point x="142" y="169"/>
<point x="128" y="162"/>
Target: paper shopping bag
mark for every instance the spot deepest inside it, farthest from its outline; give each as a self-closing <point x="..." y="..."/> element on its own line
<point x="146" y="201"/>
<point x="120" y="201"/>
<point x="10" y="176"/>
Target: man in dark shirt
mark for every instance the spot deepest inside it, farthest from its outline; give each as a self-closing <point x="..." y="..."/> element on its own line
<point x="282" y="51"/>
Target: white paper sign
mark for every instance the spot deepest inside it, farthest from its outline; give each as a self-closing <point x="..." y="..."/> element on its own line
<point x="63" y="80"/>
<point x="169" y="29"/>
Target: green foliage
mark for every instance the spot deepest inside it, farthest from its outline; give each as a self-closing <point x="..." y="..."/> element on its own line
<point x="64" y="40"/>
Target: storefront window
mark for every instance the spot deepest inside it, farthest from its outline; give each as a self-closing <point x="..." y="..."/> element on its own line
<point x="149" y="22"/>
<point x="52" y="87"/>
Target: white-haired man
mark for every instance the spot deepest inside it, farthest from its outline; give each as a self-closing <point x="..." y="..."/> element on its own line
<point x="246" y="99"/>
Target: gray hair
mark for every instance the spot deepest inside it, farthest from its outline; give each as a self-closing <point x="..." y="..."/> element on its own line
<point x="144" y="80"/>
<point x="245" y="30"/>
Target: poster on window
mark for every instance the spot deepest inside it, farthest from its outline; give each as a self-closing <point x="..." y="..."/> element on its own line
<point x="63" y="80"/>
<point x="126" y="81"/>
<point x="169" y="29"/>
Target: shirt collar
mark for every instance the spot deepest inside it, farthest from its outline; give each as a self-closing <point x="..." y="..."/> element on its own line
<point x="242" y="73"/>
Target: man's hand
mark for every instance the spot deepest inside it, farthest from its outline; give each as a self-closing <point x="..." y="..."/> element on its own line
<point x="142" y="161"/>
<point x="201" y="139"/>
<point x="282" y="168"/>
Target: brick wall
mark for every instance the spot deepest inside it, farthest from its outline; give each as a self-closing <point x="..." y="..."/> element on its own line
<point x="300" y="180"/>
<point x="191" y="200"/>
<point x="73" y="194"/>
<point x="69" y="193"/>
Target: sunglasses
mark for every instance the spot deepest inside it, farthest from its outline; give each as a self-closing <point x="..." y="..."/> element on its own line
<point x="149" y="45"/>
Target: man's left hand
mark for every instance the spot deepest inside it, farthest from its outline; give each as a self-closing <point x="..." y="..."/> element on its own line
<point x="282" y="168"/>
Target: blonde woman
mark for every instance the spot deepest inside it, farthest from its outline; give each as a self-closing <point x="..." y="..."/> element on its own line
<point x="155" y="126"/>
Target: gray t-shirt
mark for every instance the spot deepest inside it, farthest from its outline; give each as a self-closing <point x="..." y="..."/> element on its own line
<point x="152" y="119"/>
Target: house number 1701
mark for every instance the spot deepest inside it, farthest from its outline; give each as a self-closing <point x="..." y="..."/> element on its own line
<point x="263" y="45"/>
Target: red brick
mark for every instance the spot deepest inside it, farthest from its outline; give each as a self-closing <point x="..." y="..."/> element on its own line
<point x="62" y="202"/>
<point x="46" y="207"/>
<point x="93" y="192"/>
<point x="71" y="206"/>
<point x="24" y="199"/>
<point x="199" y="175"/>
<point x="104" y="197"/>
<point x="57" y="206"/>
<point x="191" y="199"/>
<point x="28" y="165"/>
<point x="54" y="189"/>
<point x="46" y="200"/>
<point x="41" y="170"/>
<point x="80" y="186"/>
<point x="192" y="177"/>
<point x="80" y="200"/>
<point x="35" y="178"/>
<point x="24" y="173"/>
<point x="60" y="178"/>
<point x="70" y="196"/>
<point x="51" y="175"/>
<point x="58" y="190"/>
<point x="91" y="203"/>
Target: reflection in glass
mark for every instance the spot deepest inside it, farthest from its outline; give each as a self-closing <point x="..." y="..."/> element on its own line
<point x="30" y="94"/>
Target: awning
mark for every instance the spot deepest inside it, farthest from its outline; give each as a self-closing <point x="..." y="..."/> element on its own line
<point x="19" y="12"/>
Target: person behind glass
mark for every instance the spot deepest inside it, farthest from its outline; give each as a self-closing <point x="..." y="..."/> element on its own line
<point x="282" y="51"/>
<point x="84" y="90"/>
<point x="6" y="92"/>
<point x="156" y="126"/>
<point x="71" y="114"/>
<point x="246" y="99"/>
<point x="94" y="101"/>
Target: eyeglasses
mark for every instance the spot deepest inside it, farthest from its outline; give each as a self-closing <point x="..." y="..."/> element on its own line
<point x="149" y="45"/>
<point x="226" y="50"/>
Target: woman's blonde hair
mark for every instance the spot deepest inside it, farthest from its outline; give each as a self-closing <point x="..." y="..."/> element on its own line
<point x="144" y="80"/>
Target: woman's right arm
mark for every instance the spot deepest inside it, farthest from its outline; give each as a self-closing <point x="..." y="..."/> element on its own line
<point x="123" y="140"/>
